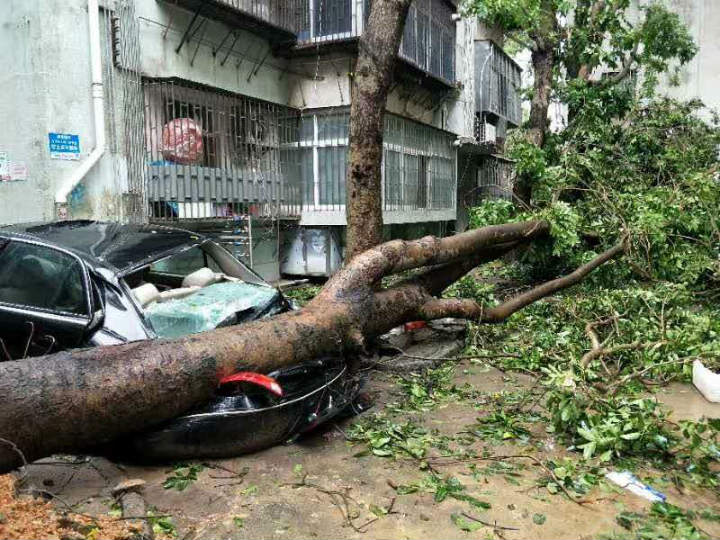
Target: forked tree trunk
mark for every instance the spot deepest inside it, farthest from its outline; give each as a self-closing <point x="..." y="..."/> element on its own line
<point x="73" y="400"/>
<point x="373" y="76"/>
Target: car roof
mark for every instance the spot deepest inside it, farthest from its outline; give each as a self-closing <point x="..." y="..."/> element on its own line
<point x="116" y="246"/>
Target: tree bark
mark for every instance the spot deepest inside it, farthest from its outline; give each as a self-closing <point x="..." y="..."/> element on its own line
<point x="373" y="76"/>
<point x="78" y="399"/>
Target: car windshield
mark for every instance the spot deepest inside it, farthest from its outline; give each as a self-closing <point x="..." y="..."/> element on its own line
<point x="196" y="290"/>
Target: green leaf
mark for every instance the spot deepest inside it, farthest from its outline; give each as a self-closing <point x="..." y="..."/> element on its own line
<point x="539" y="519"/>
<point x="464" y="524"/>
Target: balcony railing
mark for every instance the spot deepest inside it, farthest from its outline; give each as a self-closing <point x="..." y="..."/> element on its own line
<point x="428" y="40"/>
<point x="277" y="20"/>
<point x="497" y="83"/>
<point x="286" y="14"/>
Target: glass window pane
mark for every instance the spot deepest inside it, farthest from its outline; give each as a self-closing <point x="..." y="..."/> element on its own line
<point x="307" y="129"/>
<point x="393" y="177"/>
<point x="185" y="263"/>
<point x="334" y="17"/>
<point x="41" y="277"/>
<point x="333" y="170"/>
<point x="307" y="176"/>
<point x="332" y="127"/>
<point x="411" y="173"/>
<point x="422" y="39"/>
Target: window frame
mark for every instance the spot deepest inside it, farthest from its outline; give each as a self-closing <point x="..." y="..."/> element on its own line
<point x="56" y="313"/>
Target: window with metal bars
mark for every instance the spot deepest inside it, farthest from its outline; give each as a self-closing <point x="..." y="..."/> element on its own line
<point x="418" y="163"/>
<point x="208" y="149"/>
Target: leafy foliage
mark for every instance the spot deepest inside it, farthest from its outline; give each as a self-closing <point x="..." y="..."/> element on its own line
<point x="183" y="475"/>
<point x="663" y="521"/>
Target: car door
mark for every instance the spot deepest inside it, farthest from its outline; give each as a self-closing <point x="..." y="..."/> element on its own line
<point x="44" y="299"/>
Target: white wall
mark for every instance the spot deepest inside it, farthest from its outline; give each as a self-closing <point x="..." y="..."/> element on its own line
<point x="241" y="73"/>
<point x="701" y="77"/>
<point x="45" y="87"/>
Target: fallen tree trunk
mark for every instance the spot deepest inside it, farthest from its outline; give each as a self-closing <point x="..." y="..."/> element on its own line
<point x="77" y="399"/>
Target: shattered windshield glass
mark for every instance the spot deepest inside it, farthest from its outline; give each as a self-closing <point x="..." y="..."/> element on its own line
<point x="210" y="307"/>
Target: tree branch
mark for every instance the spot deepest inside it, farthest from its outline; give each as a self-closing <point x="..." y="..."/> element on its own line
<point x="462" y="308"/>
<point x="503" y="311"/>
<point x="400" y="255"/>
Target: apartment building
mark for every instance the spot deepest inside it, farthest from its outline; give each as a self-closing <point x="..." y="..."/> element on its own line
<point x="231" y="117"/>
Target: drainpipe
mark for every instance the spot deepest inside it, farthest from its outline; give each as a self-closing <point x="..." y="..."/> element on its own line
<point x="98" y="98"/>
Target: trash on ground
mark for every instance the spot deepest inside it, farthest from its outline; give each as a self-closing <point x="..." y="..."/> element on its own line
<point x="632" y="483"/>
<point x="706" y="381"/>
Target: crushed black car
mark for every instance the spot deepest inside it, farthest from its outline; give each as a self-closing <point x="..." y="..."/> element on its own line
<point x="85" y="283"/>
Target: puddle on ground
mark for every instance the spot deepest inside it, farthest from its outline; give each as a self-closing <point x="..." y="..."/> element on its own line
<point x="686" y="403"/>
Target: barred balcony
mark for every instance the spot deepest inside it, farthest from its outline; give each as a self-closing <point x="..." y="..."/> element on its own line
<point x="428" y="43"/>
<point x="277" y="20"/>
<point x="497" y="78"/>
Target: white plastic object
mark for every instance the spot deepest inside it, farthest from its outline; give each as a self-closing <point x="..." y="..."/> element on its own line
<point x="172" y="294"/>
<point x="201" y="278"/>
<point x="146" y="294"/>
<point x="706" y="381"/>
<point x="629" y="481"/>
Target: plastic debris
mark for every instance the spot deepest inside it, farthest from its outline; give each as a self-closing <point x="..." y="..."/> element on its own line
<point x="707" y="382"/>
<point x="182" y="141"/>
<point x="259" y="379"/>
<point x="632" y="483"/>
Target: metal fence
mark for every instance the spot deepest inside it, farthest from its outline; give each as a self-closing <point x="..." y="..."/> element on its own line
<point x="497" y="83"/>
<point x="287" y="14"/>
<point x="428" y="41"/>
<point x="211" y="154"/>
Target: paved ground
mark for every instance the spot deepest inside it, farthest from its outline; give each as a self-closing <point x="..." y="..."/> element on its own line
<point x="267" y="503"/>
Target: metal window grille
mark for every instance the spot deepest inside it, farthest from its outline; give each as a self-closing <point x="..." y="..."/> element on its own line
<point x="287" y="14"/>
<point x="498" y="83"/>
<point x="428" y="38"/>
<point x="418" y="164"/>
<point x="236" y="168"/>
<point x="331" y="20"/>
<point x="494" y="178"/>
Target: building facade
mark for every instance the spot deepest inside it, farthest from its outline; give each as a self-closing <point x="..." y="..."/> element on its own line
<point x="231" y="117"/>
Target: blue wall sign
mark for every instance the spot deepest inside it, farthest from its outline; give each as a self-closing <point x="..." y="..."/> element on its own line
<point x="64" y="146"/>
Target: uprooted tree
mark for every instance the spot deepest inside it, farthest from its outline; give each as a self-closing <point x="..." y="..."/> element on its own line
<point x="78" y="399"/>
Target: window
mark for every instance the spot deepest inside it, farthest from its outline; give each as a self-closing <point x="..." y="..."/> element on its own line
<point x="185" y="263"/>
<point x="41" y="277"/>
<point x="418" y="164"/>
<point x="332" y="168"/>
<point x="393" y="179"/>
<point x="429" y="38"/>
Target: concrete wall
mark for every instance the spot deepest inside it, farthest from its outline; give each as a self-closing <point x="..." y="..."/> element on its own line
<point x="45" y="87"/>
<point x="701" y="77"/>
<point x="242" y="72"/>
